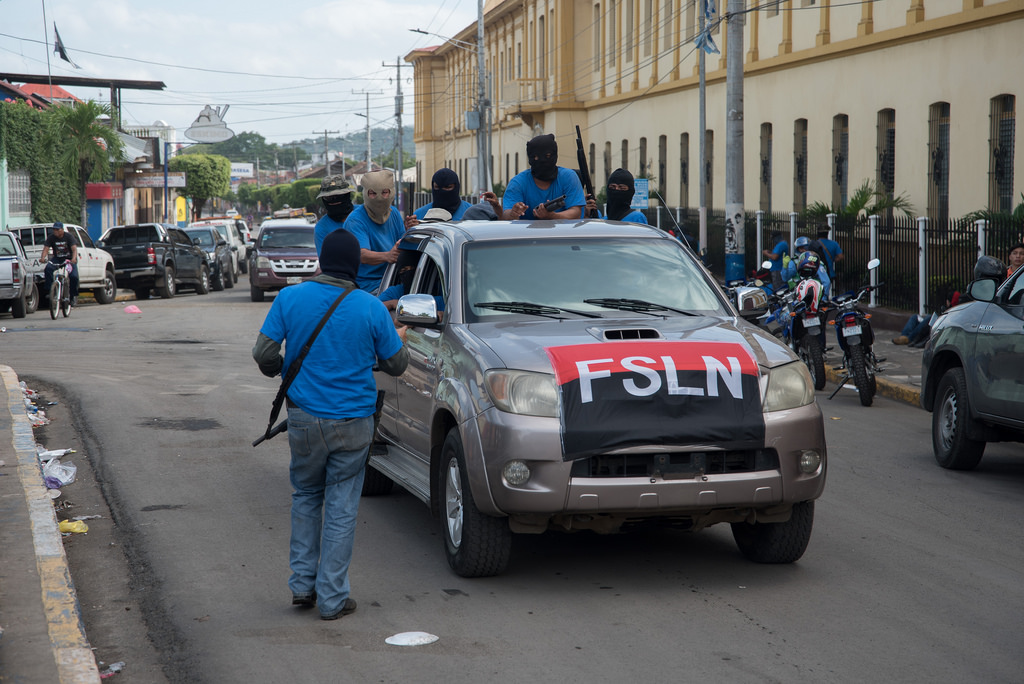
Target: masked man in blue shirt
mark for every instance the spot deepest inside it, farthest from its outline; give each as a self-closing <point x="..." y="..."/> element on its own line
<point x="544" y="180"/>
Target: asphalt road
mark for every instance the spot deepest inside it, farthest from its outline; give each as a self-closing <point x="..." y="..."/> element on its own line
<point x="913" y="573"/>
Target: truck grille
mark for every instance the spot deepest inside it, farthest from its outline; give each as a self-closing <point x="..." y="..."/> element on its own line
<point x="293" y="267"/>
<point x="676" y="465"/>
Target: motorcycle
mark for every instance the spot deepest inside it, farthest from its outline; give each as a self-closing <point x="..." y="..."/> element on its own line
<point x="853" y="331"/>
<point x="807" y="313"/>
<point x="746" y="295"/>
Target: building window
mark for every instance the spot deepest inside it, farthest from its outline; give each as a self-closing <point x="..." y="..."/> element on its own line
<point x="772" y="9"/>
<point x="885" y="173"/>
<point x="517" y="163"/>
<point x="766" y="167"/>
<point x="648" y="26"/>
<point x="1001" y="143"/>
<point x="667" y="19"/>
<point x="938" y="162"/>
<point x="625" y="155"/>
<point x="709" y="168"/>
<point x="613" y="38"/>
<point x="691" y="19"/>
<point x="800" y="165"/>
<point x="592" y="162"/>
<point x="643" y="158"/>
<point x="542" y="49"/>
<point x="19" y="192"/>
<point x="607" y="162"/>
<point x="840" y="160"/>
<point x="628" y="36"/>
<point x="662" y="165"/>
<point x="519" y="60"/>
<point x="507" y="166"/>
<point x="684" y="170"/>
<point x="598" y="29"/>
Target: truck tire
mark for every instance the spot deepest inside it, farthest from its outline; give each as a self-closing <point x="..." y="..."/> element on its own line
<point x="32" y="300"/>
<point x="476" y="545"/>
<point x="203" y="285"/>
<point x="256" y="294"/>
<point x="217" y="279"/>
<point x="108" y="293"/>
<point x="951" y="415"/>
<point x="229" y="282"/>
<point x="167" y="288"/>
<point x="18" y="309"/>
<point x="781" y="542"/>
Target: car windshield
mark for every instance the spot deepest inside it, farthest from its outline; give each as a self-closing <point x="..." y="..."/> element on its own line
<point x="296" y="238"/>
<point x="592" y="275"/>
<point x="202" y="238"/>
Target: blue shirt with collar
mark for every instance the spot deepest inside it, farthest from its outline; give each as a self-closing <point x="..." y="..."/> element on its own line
<point x="376" y="238"/>
<point x="523" y="188"/>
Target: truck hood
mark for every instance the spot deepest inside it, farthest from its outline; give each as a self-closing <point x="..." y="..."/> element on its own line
<point x="522" y="344"/>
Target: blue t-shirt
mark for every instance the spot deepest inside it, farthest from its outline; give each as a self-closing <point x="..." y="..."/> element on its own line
<point x="324" y="227"/>
<point x="376" y="238"/>
<point x="422" y="211"/>
<point x="522" y="188"/>
<point x="781" y="248"/>
<point x="336" y="377"/>
<point x="635" y="216"/>
<point x="833" y="250"/>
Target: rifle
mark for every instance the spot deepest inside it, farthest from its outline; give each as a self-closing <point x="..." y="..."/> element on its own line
<point x="581" y="160"/>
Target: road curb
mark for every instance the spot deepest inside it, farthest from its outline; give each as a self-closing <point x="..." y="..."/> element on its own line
<point x="76" y="663"/>
<point x="885" y="387"/>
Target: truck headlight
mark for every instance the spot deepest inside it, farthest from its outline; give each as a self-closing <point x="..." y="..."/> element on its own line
<point x="262" y="262"/>
<point x="789" y="387"/>
<point x="523" y="392"/>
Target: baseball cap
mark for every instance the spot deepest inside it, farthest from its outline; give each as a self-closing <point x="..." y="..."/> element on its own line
<point x="334" y="185"/>
<point x="437" y="214"/>
<point x="57" y="225"/>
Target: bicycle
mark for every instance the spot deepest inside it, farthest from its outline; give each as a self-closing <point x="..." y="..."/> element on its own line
<point x="60" y="290"/>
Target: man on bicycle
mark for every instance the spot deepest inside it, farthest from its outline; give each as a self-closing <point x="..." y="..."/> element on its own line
<point x="64" y="248"/>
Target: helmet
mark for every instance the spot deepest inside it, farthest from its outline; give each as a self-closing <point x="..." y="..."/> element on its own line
<point x="807" y="265"/>
<point x="802" y="241"/>
<point x="989" y="267"/>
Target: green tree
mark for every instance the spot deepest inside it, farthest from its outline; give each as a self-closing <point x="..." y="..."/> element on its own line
<point x="206" y="176"/>
<point x="866" y="200"/>
<point x="82" y="143"/>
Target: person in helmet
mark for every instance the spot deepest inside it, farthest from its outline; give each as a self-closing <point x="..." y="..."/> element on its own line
<point x="813" y="268"/>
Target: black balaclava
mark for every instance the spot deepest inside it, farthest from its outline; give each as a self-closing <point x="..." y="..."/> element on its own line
<point x="619" y="200"/>
<point x="338" y="206"/>
<point x="545" y="167"/>
<point x="339" y="255"/>
<point x="448" y="200"/>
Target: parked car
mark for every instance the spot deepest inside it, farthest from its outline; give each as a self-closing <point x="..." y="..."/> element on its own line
<point x="218" y="255"/>
<point x="590" y="376"/>
<point x="158" y="256"/>
<point x="15" y="277"/>
<point x="972" y="372"/>
<point x="285" y="254"/>
<point x="95" y="265"/>
<point x="229" y="230"/>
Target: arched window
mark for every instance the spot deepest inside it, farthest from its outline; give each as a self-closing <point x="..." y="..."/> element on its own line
<point x="1001" y="141"/>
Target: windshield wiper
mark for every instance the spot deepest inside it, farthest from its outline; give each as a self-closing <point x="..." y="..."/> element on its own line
<point x="637" y="305"/>
<point x="535" y="309"/>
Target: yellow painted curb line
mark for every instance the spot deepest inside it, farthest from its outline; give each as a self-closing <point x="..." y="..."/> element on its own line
<point x="885" y="387"/>
<point x="75" y="661"/>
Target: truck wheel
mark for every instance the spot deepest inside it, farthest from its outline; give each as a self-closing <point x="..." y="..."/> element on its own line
<point x="203" y="286"/>
<point x="951" y="415"/>
<point x="256" y="294"/>
<point x="32" y="300"/>
<point x="18" y="308"/>
<point x="781" y="542"/>
<point x="217" y="281"/>
<point x="108" y="293"/>
<point x="477" y="545"/>
<point x="229" y="282"/>
<point x="167" y="288"/>
<point x="142" y="293"/>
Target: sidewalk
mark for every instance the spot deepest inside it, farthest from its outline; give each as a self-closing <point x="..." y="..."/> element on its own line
<point x="42" y="638"/>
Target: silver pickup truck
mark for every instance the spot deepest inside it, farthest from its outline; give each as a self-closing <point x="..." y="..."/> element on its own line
<point x="15" y="278"/>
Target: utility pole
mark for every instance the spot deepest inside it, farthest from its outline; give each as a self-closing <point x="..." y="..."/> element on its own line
<point x="702" y="187"/>
<point x="327" y="162"/>
<point x="369" y="154"/>
<point x="483" y="167"/>
<point x="398" y="118"/>
<point x="734" y="212"/>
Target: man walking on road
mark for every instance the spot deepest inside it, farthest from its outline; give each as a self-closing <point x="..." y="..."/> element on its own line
<point x="331" y="403"/>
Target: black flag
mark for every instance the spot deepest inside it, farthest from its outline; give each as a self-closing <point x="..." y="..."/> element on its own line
<point x="58" y="47"/>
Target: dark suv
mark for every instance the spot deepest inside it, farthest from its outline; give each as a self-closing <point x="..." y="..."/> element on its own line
<point x="283" y="255"/>
<point x="972" y="373"/>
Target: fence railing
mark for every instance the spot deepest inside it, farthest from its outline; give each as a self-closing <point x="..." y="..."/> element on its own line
<point x="923" y="261"/>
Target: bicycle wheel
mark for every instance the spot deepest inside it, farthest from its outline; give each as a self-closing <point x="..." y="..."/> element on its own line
<point x="65" y="300"/>
<point x="55" y="295"/>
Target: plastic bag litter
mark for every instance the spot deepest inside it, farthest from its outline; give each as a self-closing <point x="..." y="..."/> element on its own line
<point x="73" y="526"/>
<point x="46" y="455"/>
<point x="64" y="473"/>
<point x="112" y="670"/>
<point x="411" y="639"/>
<point x="131" y="308"/>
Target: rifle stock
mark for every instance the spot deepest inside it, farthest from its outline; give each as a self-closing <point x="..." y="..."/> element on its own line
<point x="270" y="434"/>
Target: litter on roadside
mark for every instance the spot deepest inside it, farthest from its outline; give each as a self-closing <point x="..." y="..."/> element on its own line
<point x="112" y="670"/>
<point x="411" y="639"/>
<point x="63" y="473"/>
<point x="73" y="526"/>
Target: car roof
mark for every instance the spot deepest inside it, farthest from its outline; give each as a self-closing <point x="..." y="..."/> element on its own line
<point x="502" y="230"/>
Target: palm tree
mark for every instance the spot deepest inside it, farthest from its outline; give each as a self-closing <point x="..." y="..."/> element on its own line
<point x="82" y="143"/>
<point x="866" y="200"/>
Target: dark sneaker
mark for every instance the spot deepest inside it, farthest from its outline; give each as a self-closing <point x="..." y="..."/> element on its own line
<point x="306" y="599"/>
<point x="347" y="608"/>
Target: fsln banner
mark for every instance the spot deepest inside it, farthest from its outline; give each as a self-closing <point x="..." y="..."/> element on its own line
<point x="620" y="394"/>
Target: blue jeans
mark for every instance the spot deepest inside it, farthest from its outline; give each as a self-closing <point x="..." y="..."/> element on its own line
<point x="327" y="468"/>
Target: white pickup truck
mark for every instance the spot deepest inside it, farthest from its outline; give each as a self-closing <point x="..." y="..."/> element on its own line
<point x="15" y="278"/>
<point x="95" y="266"/>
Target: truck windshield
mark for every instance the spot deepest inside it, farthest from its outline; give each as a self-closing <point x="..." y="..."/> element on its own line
<point x="566" y="273"/>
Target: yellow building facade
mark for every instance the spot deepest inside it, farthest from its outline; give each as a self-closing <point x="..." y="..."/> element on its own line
<point x="916" y="96"/>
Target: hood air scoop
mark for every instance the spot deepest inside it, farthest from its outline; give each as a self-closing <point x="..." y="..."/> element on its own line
<point x="630" y="334"/>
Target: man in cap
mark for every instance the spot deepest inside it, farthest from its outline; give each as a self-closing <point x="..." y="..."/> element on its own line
<point x="445" y="188"/>
<point x="378" y="226"/>
<point x="331" y="405"/>
<point x="64" y="248"/>
<point x="544" y="181"/>
<point x="336" y="196"/>
<point x="621" y="189"/>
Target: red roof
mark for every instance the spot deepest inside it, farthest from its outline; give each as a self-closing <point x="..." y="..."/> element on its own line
<point x="47" y="91"/>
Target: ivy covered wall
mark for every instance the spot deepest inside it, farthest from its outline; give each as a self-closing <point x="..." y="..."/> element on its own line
<point x="54" y="196"/>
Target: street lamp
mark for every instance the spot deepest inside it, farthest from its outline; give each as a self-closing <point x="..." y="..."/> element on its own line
<point x="482" y="105"/>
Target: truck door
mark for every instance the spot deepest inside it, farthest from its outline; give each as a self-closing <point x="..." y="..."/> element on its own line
<point x="999" y="350"/>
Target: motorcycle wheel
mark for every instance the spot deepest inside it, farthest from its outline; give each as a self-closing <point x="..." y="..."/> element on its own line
<point x="810" y="352"/>
<point x="859" y="368"/>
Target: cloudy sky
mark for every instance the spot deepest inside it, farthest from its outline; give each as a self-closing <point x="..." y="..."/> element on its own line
<point x="285" y="69"/>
